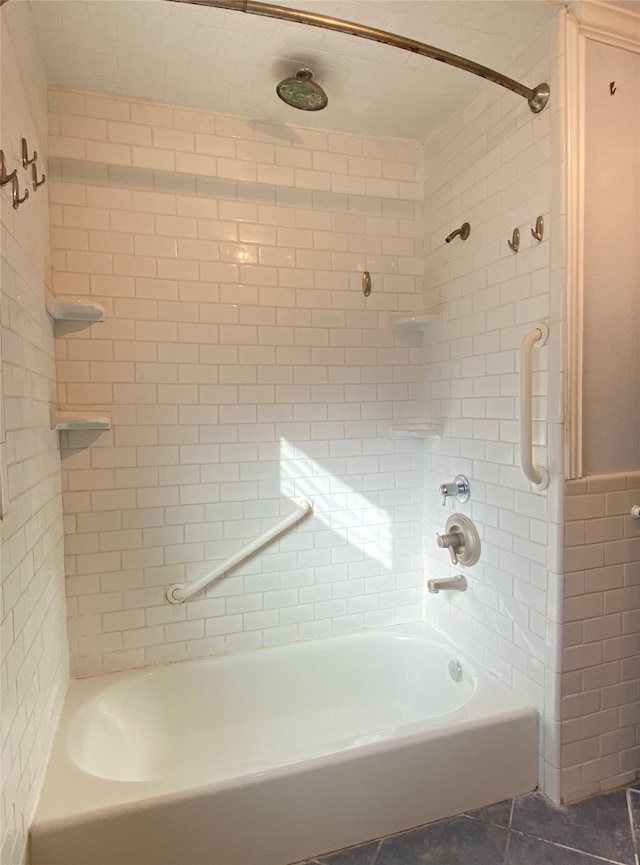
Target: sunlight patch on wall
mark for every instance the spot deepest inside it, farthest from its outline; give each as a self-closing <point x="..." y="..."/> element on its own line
<point x="341" y="508"/>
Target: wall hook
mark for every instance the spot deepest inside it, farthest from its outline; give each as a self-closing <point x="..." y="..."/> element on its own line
<point x="366" y="283"/>
<point x="25" y="154"/>
<point x="514" y="243"/>
<point x="34" y="177"/>
<point x="4" y="177"/>
<point x="539" y="229"/>
<point x="612" y="88"/>
<point x="15" y="194"/>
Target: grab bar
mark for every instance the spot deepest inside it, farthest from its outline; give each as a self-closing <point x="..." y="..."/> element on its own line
<point x="178" y="593"/>
<point x="537" y="337"/>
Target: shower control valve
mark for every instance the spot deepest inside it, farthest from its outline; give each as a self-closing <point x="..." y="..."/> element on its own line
<point x="459" y="488"/>
<point x="462" y="540"/>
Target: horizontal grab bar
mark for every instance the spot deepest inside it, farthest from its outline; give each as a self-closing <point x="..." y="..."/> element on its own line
<point x="178" y="593"/>
<point x="536" y="337"/>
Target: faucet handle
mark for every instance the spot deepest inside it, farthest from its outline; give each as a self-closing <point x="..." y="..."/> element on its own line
<point x="446" y="490"/>
<point x="459" y="488"/>
<point x="453" y="541"/>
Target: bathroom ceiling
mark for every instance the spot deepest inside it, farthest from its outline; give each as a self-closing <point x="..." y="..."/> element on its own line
<point x="230" y="62"/>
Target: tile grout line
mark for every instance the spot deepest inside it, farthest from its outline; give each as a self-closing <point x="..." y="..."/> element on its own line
<point x="508" y="843"/>
<point x="633" y="828"/>
<point x="377" y="853"/>
<point x="593" y="856"/>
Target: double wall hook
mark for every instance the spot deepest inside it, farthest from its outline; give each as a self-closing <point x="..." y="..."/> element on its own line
<point x="537" y="233"/>
<point x="25" y="154"/>
<point x="12" y="177"/>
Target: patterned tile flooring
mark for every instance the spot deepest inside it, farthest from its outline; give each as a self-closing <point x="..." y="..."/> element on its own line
<point x="527" y="830"/>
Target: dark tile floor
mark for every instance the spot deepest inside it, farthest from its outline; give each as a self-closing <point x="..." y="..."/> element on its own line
<point x="528" y="830"/>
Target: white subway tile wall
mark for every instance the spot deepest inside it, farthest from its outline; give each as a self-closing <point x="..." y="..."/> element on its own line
<point x="601" y="696"/>
<point x="34" y="657"/>
<point x="244" y="369"/>
<point x="495" y="166"/>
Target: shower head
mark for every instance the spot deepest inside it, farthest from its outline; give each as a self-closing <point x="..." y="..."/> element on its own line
<point x="302" y="92"/>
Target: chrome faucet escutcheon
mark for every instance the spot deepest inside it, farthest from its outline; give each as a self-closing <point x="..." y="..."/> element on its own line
<point x="459" y="488"/>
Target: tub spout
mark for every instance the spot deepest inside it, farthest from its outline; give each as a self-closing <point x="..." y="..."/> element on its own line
<point x="457" y="583"/>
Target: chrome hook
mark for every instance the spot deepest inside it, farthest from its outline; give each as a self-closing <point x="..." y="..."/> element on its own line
<point x="25" y="155"/>
<point x="514" y="243"/>
<point x="539" y="229"/>
<point x="4" y="177"/>
<point x="34" y="177"/>
<point x="15" y="194"/>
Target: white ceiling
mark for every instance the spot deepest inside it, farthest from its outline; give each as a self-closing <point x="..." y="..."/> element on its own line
<point x="230" y="62"/>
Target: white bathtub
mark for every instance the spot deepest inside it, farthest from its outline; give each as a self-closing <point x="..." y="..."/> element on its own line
<point x="275" y="756"/>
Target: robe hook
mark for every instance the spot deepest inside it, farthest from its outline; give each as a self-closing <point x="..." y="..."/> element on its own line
<point x="25" y="154"/>
<point x="34" y="177"/>
<point x="538" y="231"/>
<point x="4" y="177"/>
<point x="514" y="243"/>
<point x="15" y="194"/>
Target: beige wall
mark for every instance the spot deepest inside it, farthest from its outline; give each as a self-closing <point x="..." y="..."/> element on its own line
<point x="611" y="390"/>
<point x="601" y="634"/>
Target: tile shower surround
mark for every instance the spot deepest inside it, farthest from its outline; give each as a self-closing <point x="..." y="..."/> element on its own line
<point x="600" y="686"/>
<point x="243" y="369"/>
<point x="34" y="658"/>
<point x="498" y="168"/>
<point x="495" y="165"/>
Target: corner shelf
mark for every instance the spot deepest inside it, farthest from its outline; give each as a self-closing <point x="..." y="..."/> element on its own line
<point x="417" y="428"/>
<point x="68" y="308"/>
<point x="79" y="420"/>
<point x="409" y="322"/>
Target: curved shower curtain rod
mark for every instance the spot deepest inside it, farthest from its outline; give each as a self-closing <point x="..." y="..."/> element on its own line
<point x="536" y="97"/>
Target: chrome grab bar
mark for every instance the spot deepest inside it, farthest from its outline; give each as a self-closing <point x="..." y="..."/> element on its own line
<point x="178" y="593"/>
<point x="537" y="337"/>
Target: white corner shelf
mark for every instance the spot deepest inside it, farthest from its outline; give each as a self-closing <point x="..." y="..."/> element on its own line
<point x="78" y="420"/>
<point x="409" y="322"/>
<point x="75" y="309"/>
<point x="417" y="428"/>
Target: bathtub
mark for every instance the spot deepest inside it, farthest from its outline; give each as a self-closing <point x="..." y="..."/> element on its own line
<point x="278" y="755"/>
